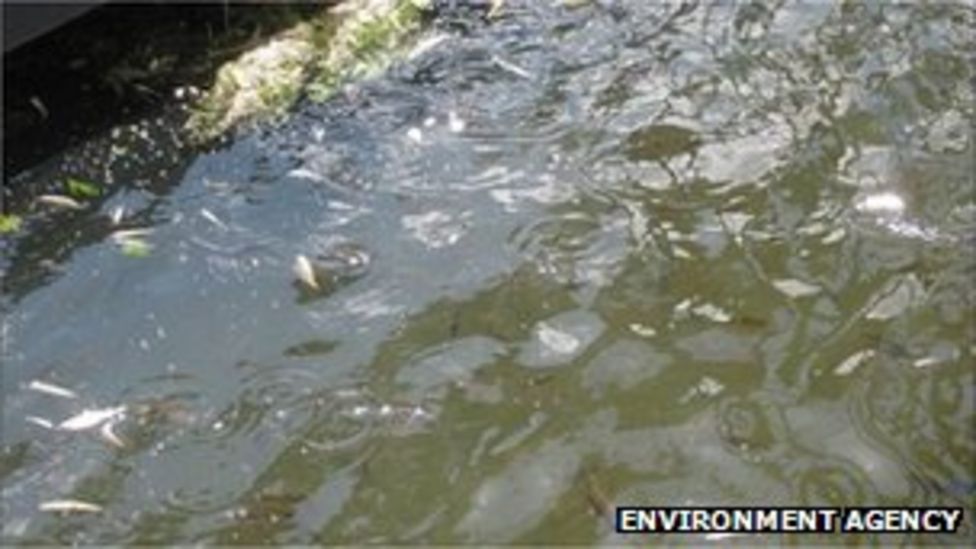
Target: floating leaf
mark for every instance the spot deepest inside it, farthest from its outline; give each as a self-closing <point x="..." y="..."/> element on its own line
<point x="133" y="247"/>
<point x="9" y="223"/>
<point x="80" y="188"/>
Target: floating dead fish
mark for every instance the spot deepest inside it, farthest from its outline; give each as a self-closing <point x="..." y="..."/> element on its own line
<point x="60" y="201"/>
<point x="69" y="506"/>
<point x="511" y="67"/>
<point x="496" y="9"/>
<point x="302" y="173"/>
<point x="51" y="389"/>
<point x="883" y="202"/>
<point x="426" y="45"/>
<point x="36" y="102"/>
<point x="209" y="216"/>
<point x="305" y="272"/>
<point x="795" y="288"/>
<point x="117" y="214"/>
<point x="89" y="419"/>
<point x="39" y="421"/>
<point x="108" y="435"/>
<point x="130" y="234"/>
<point x="854" y="361"/>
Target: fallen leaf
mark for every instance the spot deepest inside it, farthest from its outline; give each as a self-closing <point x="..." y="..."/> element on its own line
<point x="82" y="189"/>
<point x="9" y="223"/>
<point x="135" y="248"/>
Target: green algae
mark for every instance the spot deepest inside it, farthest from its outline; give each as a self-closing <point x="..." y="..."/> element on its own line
<point x="313" y="58"/>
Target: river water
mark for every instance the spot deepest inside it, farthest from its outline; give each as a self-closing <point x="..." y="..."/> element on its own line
<point x="627" y="253"/>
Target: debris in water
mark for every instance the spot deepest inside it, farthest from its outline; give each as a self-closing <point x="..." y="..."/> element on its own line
<point x="131" y="243"/>
<point x="304" y="272"/>
<point x="135" y="248"/>
<point x="51" y="389"/>
<point x="79" y="188"/>
<point x="69" y="506"/>
<point x="59" y="201"/>
<point x="9" y="223"/>
<point x="599" y="502"/>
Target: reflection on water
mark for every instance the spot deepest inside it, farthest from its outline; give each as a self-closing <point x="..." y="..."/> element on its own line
<point x="623" y="253"/>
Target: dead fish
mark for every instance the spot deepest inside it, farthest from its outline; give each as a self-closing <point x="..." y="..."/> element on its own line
<point x="511" y="67"/>
<point x="51" y="389"/>
<point x="117" y="214"/>
<point x="69" y="506"/>
<point x="39" y="421"/>
<point x="89" y="419"/>
<point x="495" y="9"/>
<point x="60" y="201"/>
<point x="109" y="436"/>
<point x="130" y="234"/>
<point x="211" y="217"/>
<point x="36" y="102"/>
<point x="305" y="272"/>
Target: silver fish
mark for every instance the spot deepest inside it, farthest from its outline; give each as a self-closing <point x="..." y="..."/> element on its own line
<point x="60" y="201"/>
<point x="69" y="506"/>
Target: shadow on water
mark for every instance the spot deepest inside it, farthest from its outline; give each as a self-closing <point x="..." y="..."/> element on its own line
<point x="621" y="253"/>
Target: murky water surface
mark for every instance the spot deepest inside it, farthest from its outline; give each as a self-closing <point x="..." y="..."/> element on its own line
<point x="626" y="253"/>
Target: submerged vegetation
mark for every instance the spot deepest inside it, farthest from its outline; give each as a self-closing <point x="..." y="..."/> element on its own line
<point x="318" y="55"/>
